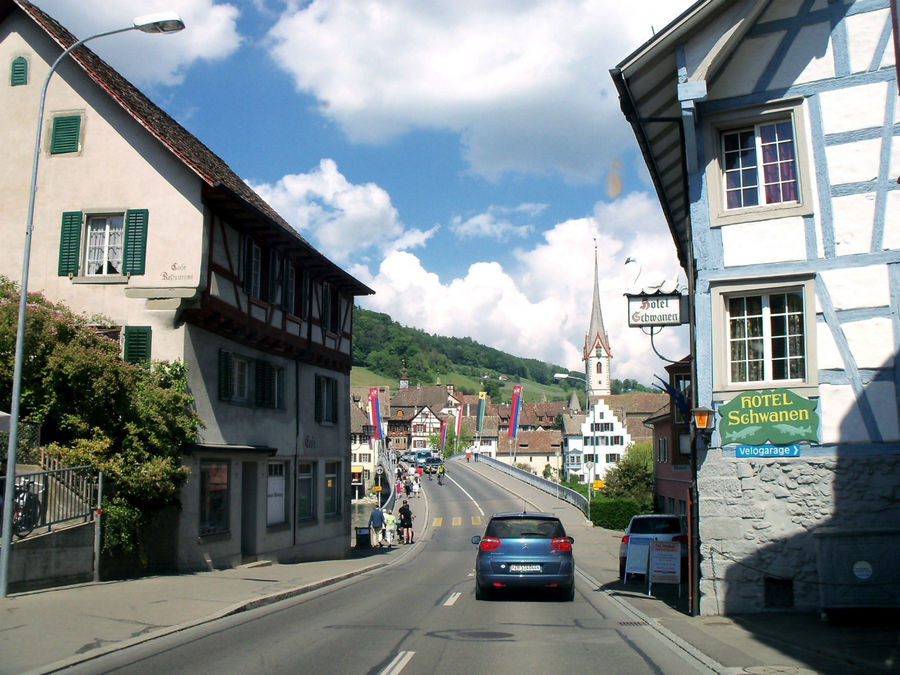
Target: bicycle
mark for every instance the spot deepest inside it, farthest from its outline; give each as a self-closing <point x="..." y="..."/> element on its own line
<point x="26" y="509"/>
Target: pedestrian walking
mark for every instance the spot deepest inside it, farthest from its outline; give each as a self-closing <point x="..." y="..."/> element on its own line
<point x="407" y="487"/>
<point x="376" y="523"/>
<point x="390" y="527"/>
<point x="406" y="519"/>
<point x="415" y="489"/>
<point x="399" y="489"/>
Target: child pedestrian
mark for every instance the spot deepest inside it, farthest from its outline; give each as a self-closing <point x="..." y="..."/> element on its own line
<point x="390" y="527"/>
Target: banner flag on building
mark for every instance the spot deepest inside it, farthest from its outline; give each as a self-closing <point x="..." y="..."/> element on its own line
<point x="443" y="435"/>
<point x="482" y="400"/>
<point x="375" y="412"/>
<point x="458" y="429"/>
<point x="514" y="411"/>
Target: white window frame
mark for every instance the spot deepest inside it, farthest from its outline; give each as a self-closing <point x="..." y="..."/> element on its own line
<point x="744" y="118"/>
<point x="240" y="379"/>
<point x="92" y="221"/>
<point x="806" y="386"/>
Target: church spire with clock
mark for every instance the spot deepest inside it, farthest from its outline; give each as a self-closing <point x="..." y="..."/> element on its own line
<point x="597" y="354"/>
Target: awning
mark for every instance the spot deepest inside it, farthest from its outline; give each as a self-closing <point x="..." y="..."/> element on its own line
<point x="356" y="468"/>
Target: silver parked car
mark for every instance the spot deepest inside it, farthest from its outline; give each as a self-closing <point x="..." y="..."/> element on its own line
<point x="659" y="527"/>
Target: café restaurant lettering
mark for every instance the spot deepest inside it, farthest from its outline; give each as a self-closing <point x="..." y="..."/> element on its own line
<point x="776" y="416"/>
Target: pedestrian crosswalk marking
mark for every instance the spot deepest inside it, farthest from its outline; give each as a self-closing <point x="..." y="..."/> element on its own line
<point x="438" y="522"/>
<point x="476" y="520"/>
<point x="457" y="521"/>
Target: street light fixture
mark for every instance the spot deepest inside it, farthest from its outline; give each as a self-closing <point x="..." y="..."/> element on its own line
<point x="704" y="419"/>
<point x="164" y="22"/>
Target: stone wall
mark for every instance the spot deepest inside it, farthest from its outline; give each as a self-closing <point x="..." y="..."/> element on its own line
<point x="757" y="519"/>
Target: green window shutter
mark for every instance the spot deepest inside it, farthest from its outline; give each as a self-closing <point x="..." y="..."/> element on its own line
<point x="334" y="402"/>
<point x="273" y="276"/>
<point x="287" y="286"/>
<point x="69" y="243"/>
<point x="65" y="134"/>
<point x="135" y="247"/>
<point x="247" y="266"/>
<point x="318" y="398"/>
<point x="137" y="343"/>
<point x="19" y="72"/>
<point x="225" y="375"/>
<point x="260" y="393"/>
<point x="304" y="295"/>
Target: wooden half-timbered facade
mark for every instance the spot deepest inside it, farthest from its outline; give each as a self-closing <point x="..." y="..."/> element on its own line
<point x="138" y="221"/>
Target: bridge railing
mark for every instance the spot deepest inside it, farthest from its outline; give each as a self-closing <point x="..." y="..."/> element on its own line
<point x="574" y="498"/>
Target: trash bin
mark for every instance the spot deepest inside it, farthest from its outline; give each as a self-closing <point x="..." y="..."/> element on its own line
<point x="363" y="537"/>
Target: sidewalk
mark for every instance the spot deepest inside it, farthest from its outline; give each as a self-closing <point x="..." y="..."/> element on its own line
<point x="67" y="625"/>
<point x="47" y="630"/>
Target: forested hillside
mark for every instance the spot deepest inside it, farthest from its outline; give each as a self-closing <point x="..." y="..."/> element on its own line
<point x="383" y="346"/>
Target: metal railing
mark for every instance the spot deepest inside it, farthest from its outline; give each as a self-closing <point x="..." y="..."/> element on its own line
<point x="576" y="499"/>
<point x="55" y="497"/>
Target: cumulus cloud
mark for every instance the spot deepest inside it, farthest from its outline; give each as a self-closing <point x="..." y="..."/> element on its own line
<point x="210" y="34"/>
<point x="343" y="219"/>
<point x="496" y="223"/>
<point x="540" y="306"/>
<point x="523" y="81"/>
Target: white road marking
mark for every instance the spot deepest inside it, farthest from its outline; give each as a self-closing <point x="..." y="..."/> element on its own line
<point x="467" y="495"/>
<point x="449" y="602"/>
<point x="398" y="664"/>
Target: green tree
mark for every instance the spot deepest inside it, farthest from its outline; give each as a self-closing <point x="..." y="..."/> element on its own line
<point x="451" y="446"/>
<point x="632" y="477"/>
<point x="130" y="421"/>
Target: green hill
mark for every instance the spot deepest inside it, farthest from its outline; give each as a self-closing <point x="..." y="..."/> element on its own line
<point x="381" y="347"/>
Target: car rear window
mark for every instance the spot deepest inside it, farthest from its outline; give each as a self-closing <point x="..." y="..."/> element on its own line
<point x="524" y="528"/>
<point x="655" y="526"/>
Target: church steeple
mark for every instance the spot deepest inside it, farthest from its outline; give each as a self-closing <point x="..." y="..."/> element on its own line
<point x="597" y="354"/>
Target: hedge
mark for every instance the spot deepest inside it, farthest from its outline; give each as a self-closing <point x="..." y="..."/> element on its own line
<point x="613" y="513"/>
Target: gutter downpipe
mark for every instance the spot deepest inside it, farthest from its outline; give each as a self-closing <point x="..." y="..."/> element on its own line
<point x="685" y="256"/>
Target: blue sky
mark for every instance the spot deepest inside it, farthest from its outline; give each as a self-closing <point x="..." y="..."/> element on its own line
<point x="462" y="159"/>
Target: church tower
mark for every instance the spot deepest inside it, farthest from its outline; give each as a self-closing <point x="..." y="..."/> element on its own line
<point x="597" y="354"/>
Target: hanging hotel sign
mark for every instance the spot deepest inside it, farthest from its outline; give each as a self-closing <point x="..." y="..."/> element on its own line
<point x="659" y="309"/>
<point x="776" y="417"/>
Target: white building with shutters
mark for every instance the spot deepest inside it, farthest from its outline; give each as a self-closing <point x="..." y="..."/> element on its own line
<point x="138" y="221"/>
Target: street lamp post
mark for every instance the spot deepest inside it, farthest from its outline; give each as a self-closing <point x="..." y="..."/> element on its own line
<point x="587" y="402"/>
<point x="167" y="22"/>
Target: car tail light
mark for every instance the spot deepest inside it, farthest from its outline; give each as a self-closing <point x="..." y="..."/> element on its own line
<point x="489" y="544"/>
<point x="681" y="537"/>
<point x="561" y="544"/>
<point x="625" y="539"/>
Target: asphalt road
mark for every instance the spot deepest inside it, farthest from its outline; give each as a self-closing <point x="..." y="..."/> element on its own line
<point x="418" y="615"/>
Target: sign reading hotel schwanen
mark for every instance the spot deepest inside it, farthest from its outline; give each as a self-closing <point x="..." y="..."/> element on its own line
<point x="656" y="310"/>
<point x="776" y="416"/>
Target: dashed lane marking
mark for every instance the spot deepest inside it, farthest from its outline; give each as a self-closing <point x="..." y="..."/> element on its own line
<point x="449" y="602"/>
<point x="398" y="663"/>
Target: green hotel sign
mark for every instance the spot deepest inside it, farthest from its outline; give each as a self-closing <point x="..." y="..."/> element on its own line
<point x="776" y="416"/>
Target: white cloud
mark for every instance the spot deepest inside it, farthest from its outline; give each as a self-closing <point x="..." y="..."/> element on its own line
<point x="344" y="220"/>
<point x="541" y="308"/>
<point x="524" y="81"/>
<point x="210" y="34"/>
<point x="496" y="223"/>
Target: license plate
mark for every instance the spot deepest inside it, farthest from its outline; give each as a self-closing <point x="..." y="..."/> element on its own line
<point x="524" y="568"/>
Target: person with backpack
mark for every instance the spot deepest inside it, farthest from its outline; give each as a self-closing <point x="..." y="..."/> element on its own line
<point x="406" y="518"/>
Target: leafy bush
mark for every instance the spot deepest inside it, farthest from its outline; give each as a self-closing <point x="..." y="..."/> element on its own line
<point x="613" y="513"/>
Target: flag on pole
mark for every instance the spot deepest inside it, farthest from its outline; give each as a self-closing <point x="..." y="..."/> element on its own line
<point x="443" y="435"/>
<point x="514" y="411"/>
<point x="458" y="429"/>
<point x="482" y="400"/>
<point x="375" y="412"/>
